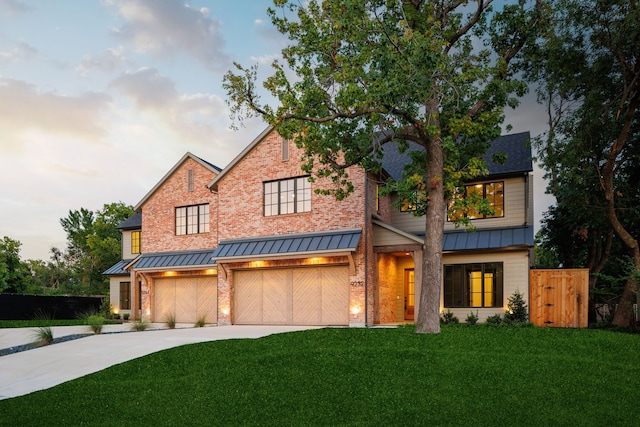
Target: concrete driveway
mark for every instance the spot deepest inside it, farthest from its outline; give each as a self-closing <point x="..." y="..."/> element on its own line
<point x="44" y="367"/>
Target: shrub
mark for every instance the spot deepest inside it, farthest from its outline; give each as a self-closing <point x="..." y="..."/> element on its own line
<point x="95" y="323"/>
<point x="139" y="325"/>
<point x="125" y="316"/>
<point x="516" y="309"/>
<point x="202" y="320"/>
<point x="496" y="319"/>
<point x="43" y="335"/>
<point x="448" y="317"/>
<point x="472" y="319"/>
<point x="170" y="321"/>
<point x="106" y="308"/>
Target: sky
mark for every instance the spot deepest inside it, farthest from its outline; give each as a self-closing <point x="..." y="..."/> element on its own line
<point x="99" y="99"/>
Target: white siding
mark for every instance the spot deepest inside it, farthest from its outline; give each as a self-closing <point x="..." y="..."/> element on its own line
<point x="126" y="245"/>
<point x="514" y="210"/>
<point x="385" y="237"/>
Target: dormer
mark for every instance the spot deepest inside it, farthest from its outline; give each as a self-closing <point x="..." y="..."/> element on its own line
<point x="131" y="229"/>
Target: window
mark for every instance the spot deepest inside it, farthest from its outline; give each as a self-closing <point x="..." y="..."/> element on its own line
<point x="287" y="196"/>
<point x="192" y="219"/>
<point x="125" y="295"/>
<point x="492" y="191"/>
<point x="135" y="242"/>
<point x="473" y="285"/>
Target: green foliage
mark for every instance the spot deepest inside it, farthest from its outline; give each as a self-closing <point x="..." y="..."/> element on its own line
<point x="139" y="325"/>
<point x="43" y="333"/>
<point x="517" y="311"/>
<point x="496" y="319"/>
<point x="447" y="317"/>
<point x="12" y="271"/>
<point x="472" y="318"/>
<point x="125" y="316"/>
<point x="201" y="321"/>
<point x="96" y="323"/>
<point x="170" y="320"/>
<point x="319" y="377"/>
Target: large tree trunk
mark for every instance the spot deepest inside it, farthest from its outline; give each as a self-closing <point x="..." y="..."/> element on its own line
<point x="428" y="315"/>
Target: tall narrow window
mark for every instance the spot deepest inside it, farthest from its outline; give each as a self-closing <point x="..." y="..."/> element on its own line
<point x="285" y="150"/>
<point x="287" y="196"/>
<point x="190" y="180"/>
<point x="192" y="219"/>
<point x="135" y="242"/>
<point x="125" y="295"/>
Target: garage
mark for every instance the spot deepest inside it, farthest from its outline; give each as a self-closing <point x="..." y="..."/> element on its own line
<point x="188" y="298"/>
<point x="294" y="296"/>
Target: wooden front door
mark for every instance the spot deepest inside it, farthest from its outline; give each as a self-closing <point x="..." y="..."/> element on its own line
<point x="409" y="293"/>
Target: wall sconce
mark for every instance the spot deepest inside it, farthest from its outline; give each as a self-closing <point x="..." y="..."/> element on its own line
<point x="225" y="311"/>
<point x="148" y="312"/>
<point x="355" y="309"/>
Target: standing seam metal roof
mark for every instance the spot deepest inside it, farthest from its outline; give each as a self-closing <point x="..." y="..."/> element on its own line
<point x="197" y="258"/>
<point x="293" y="243"/>
<point x="488" y="239"/>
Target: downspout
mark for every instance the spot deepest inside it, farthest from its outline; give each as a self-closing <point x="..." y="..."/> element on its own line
<point x="366" y="249"/>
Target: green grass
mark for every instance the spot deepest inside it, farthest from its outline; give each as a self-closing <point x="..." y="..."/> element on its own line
<point x="480" y="376"/>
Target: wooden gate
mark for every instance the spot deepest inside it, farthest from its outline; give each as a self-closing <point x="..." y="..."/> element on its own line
<point x="559" y="298"/>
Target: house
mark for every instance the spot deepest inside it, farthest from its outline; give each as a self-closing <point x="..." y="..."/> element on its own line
<point x="254" y="244"/>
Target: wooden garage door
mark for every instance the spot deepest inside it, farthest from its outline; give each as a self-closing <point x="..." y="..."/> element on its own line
<point x="188" y="298"/>
<point x="299" y="296"/>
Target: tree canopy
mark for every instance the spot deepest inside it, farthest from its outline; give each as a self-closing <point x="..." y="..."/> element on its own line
<point x="435" y="73"/>
<point x="588" y="71"/>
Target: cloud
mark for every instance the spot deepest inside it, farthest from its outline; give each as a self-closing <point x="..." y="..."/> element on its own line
<point x="111" y="59"/>
<point x="169" y="28"/>
<point x="22" y="51"/>
<point x="193" y="116"/>
<point x="24" y="110"/>
<point x="14" y="7"/>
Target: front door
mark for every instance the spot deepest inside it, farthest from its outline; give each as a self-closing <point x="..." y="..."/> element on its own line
<point x="409" y="293"/>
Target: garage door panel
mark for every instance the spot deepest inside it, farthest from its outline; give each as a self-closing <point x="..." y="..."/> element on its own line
<point x="207" y="299"/>
<point x="299" y="296"/>
<point x="307" y="296"/>
<point x="335" y="296"/>
<point x="186" y="300"/>
<point x="275" y="294"/>
<point x="248" y="297"/>
<point x="165" y="298"/>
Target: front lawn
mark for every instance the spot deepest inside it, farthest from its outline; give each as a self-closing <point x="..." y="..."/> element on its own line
<point x="465" y="376"/>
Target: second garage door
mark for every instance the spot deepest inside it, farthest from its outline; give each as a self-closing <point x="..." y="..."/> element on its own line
<point x="297" y="296"/>
<point x="187" y="298"/>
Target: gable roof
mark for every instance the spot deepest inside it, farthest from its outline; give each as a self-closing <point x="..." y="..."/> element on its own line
<point x="516" y="147"/>
<point x="131" y="223"/>
<point x="210" y="166"/>
<point x="213" y="185"/>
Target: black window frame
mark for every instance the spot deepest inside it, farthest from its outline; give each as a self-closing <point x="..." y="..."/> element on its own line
<point x="452" y="216"/>
<point x="125" y="297"/>
<point x="272" y="197"/>
<point x="457" y="284"/>
<point x="186" y="223"/>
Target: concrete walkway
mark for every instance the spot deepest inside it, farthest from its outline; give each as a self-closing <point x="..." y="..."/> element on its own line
<point x="44" y="367"/>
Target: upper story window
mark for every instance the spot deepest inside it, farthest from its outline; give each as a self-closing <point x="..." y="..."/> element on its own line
<point x="190" y="180"/>
<point x="192" y="219"/>
<point x="287" y="196"/>
<point x="135" y="242"/>
<point x="492" y="191"/>
<point x="285" y="150"/>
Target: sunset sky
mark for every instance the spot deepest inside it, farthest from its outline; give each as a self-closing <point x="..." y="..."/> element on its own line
<point x="99" y="99"/>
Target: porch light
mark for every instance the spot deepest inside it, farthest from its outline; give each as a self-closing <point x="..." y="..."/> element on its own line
<point x="225" y="311"/>
<point x="355" y="309"/>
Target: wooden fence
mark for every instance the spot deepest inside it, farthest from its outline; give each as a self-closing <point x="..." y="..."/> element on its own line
<point x="559" y="298"/>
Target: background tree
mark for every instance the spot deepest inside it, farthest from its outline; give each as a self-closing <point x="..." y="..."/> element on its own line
<point x="431" y="72"/>
<point x="588" y="69"/>
<point x="12" y="271"/>
<point x="93" y="244"/>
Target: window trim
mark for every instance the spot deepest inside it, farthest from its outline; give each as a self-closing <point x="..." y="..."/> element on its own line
<point x="268" y="196"/>
<point x="136" y="244"/>
<point x="452" y="215"/>
<point x="454" y="291"/>
<point x="202" y="225"/>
